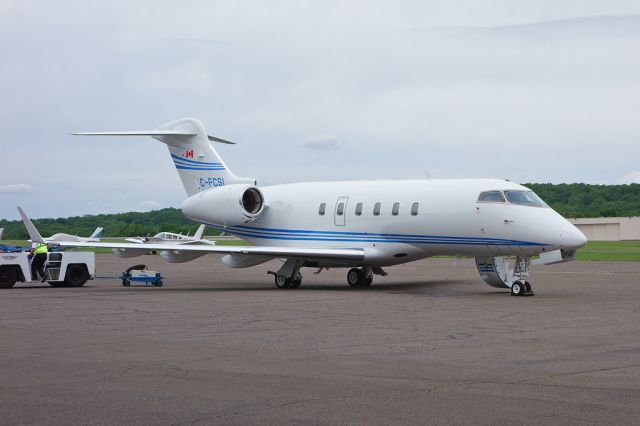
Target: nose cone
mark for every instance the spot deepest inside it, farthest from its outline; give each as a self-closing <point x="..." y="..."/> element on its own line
<point x="573" y="238"/>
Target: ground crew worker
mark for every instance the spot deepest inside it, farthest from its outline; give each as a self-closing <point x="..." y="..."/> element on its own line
<point x="39" y="252"/>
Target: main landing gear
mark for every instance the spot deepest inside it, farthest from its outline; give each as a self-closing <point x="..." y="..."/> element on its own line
<point x="497" y="272"/>
<point x="362" y="277"/>
<point x="288" y="276"/>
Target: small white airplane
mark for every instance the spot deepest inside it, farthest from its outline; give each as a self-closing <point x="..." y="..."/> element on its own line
<point x="361" y="225"/>
<point x="68" y="238"/>
<point x="169" y="238"/>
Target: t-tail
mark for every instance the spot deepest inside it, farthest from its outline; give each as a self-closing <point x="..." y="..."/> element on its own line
<point x="198" y="163"/>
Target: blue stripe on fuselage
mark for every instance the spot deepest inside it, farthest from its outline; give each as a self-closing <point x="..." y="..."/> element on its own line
<point x="336" y="236"/>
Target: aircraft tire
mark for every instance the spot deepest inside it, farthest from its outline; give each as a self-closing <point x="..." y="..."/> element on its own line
<point x="517" y="289"/>
<point x="295" y="283"/>
<point x="56" y="283"/>
<point x="282" y="281"/>
<point x="354" y="277"/>
<point x="527" y="286"/>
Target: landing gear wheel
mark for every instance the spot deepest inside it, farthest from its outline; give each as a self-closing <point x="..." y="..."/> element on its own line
<point x="126" y="283"/>
<point x="366" y="282"/>
<point x="354" y="277"/>
<point x="8" y="277"/>
<point x="282" y="281"/>
<point x="158" y="283"/>
<point x="56" y="283"/>
<point x="527" y="286"/>
<point x="517" y="289"/>
<point x="295" y="283"/>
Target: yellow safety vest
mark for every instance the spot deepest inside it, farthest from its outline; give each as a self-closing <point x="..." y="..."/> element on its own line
<point x="42" y="248"/>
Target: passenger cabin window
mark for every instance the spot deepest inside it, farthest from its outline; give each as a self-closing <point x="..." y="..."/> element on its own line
<point x="491" y="197"/>
<point x="376" y="209"/>
<point x="340" y="209"/>
<point x="526" y="198"/>
<point x="414" y="209"/>
<point x="395" y="209"/>
<point x="358" y="209"/>
<point x="322" y="208"/>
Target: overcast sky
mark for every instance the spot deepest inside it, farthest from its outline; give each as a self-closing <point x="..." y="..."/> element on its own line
<point x="541" y="91"/>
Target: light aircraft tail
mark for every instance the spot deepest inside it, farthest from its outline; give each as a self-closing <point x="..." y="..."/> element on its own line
<point x="196" y="160"/>
<point x="96" y="234"/>
<point x="199" y="232"/>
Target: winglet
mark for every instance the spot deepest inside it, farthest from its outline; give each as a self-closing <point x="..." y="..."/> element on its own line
<point x="31" y="229"/>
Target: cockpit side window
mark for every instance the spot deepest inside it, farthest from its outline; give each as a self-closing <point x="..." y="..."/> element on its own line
<point x="526" y="198"/>
<point x="491" y="197"/>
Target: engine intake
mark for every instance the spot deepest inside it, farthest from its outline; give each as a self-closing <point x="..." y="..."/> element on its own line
<point x="230" y="205"/>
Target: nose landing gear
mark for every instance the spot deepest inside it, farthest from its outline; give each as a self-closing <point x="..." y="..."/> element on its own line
<point x="521" y="288"/>
<point x="497" y="272"/>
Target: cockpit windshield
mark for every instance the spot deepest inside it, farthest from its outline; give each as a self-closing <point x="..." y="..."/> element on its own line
<point x="523" y="198"/>
<point x="527" y="198"/>
<point x="491" y="197"/>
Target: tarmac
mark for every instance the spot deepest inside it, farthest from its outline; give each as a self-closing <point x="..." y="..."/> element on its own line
<point x="428" y="344"/>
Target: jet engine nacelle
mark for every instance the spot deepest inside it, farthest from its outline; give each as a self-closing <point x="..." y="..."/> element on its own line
<point x="230" y="205"/>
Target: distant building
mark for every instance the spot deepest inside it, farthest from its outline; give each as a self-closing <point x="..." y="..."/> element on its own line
<point x="609" y="228"/>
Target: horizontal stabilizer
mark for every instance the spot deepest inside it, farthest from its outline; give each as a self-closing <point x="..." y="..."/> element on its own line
<point x="154" y="133"/>
<point x="214" y="139"/>
<point x="141" y="133"/>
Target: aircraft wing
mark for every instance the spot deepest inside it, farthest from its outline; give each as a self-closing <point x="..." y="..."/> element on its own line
<point x="337" y="254"/>
<point x="137" y="240"/>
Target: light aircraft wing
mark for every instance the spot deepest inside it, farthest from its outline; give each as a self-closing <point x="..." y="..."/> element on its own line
<point x="337" y="254"/>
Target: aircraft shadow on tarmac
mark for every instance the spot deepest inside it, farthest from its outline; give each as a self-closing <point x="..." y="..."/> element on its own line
<point x="436" y="287"/>
<point x="427" y="288"/>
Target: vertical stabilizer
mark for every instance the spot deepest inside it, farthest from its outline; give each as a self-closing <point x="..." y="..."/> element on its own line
<point x="199" y="232"/>
<point x="197" y="162"/>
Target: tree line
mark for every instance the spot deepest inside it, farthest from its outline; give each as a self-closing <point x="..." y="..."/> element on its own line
<point x="583" y="200"/>
<point x="570" y="200"/>
<point x="115" y="225"/>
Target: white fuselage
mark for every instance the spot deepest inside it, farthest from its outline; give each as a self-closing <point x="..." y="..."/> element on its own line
<point x="449" y="220"/>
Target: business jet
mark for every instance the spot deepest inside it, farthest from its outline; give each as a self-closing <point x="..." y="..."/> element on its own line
<point x="169" y="238"/>
<point x="361" y="225"/>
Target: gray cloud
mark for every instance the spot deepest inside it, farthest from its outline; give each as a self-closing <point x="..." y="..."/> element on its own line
<point x="15" y="188"/>
<point x="632" y="177"/>
<point x="323" y="144"/>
